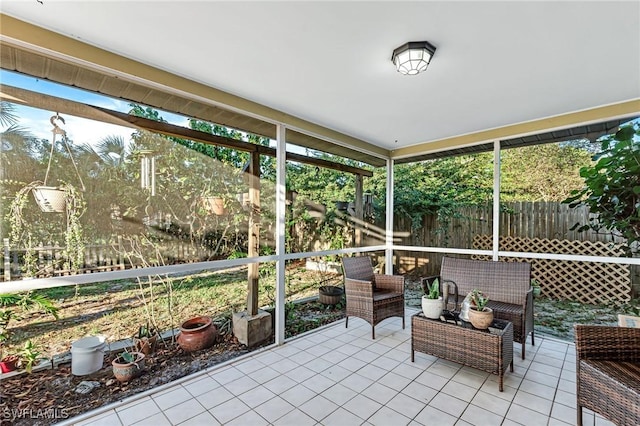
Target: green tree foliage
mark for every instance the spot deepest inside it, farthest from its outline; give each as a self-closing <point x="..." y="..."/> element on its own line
<point x="541" y="172"/>
<point x="319" y="184"/>
<point x="438" y="187"/>
<point x="612" y="188"/>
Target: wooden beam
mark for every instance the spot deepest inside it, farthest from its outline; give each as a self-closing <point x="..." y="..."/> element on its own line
<point x="78" y="109"/>
<point x="254" y="233"/>
<point x="359" y="210"/>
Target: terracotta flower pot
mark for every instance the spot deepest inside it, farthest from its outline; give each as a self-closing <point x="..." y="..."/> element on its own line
<point x="9" y="363"/>
<point x="197" y="333"/>
<point x="146" y="345"/>
<point x="126" y="371"/>
<point x="480" y="319"/>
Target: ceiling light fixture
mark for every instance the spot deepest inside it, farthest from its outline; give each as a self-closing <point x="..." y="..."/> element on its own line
<point x="413" y="57"/>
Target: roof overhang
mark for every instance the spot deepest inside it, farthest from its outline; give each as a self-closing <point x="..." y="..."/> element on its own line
<point x="38" y="52"/>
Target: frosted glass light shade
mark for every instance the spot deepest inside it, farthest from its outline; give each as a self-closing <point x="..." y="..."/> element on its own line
<point x="413" y="57"/>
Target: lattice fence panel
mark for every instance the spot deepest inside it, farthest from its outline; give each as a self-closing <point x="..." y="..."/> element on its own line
<point x="587" y="282"/>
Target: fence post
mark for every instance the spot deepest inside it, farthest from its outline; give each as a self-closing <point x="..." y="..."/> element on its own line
<point x="120" y="255"/>
<point x="7" y="261"/>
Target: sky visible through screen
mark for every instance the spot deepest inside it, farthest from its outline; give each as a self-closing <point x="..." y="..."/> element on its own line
<point x="79" y="130"/>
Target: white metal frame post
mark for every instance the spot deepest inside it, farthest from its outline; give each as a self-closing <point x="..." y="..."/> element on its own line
<point x="388" y="252"/>
<point x="281" y="162"/>
<point x="496" y="199"/>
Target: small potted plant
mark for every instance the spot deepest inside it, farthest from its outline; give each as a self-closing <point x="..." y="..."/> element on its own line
<point x="480" y="316"/>
<point x="146" y="339"/>
<point x="128" y="365"/>
<point x="29" y="356"/>
<point x="536" y="288"/>
<point x="432" y="303"/>
<point x="9" y="363"/>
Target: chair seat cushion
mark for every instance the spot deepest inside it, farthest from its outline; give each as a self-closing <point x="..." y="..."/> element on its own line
<point x="379" y="295"/>
<point x="617" y="374"/>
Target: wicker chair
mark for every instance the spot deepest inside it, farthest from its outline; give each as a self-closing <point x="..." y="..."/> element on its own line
<point x="372" y="297"/>
<point x="608" y="372"/>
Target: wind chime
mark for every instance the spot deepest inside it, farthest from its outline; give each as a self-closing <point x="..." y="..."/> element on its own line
<point x="148" y="171"/>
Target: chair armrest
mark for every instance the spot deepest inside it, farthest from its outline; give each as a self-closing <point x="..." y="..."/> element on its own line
<point x="607" y="343"/>
<point x="393" y="283"/>
<point x="358" y="288"/>
<point x="528" y="299"/>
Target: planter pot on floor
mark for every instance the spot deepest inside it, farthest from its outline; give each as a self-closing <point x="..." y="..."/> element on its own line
<point x="125" y="371"/>
<point x="197" y="333"/>
<point x="330" y="295"/>
<point x="9" y="363"/>
<point x="146" y="345"/>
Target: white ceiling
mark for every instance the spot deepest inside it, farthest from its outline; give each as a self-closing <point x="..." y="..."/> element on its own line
<point x="497" y="63"/>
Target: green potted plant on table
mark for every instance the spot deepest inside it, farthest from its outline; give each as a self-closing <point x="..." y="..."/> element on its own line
<point x="480" y="316"/>
<point x="432" y="303"/>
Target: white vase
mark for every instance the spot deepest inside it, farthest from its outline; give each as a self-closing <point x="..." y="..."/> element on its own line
<point x="432" y="308"/>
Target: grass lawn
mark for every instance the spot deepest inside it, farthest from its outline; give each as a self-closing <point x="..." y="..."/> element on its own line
<point x="117" y="309"/>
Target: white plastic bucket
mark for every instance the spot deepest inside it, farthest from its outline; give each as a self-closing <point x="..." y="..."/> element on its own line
<point x="87" y="355"/>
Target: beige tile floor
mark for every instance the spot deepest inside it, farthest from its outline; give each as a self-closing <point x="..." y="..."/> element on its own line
<point x="338" y="376"/>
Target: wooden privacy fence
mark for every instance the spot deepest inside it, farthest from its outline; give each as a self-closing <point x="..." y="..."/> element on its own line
<point x="552" y="220"/>
<point x="587" y="282"/>
<point x="50" y="259"/>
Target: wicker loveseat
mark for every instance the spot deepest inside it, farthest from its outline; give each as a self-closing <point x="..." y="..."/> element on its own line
<point x="608" y="372"/>
<point x="372" y="297"/>
<point x="507" y="284"/>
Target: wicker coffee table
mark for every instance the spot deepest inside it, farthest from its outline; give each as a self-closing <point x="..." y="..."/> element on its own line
<point x="488" y="350"/>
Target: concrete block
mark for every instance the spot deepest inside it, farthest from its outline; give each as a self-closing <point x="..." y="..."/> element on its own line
<point x="251" y="330"/>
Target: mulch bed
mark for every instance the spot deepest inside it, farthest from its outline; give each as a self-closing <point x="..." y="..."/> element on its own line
<point x="48" y="396"/>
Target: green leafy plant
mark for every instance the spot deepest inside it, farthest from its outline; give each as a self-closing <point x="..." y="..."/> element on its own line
<point x="29" y="355"/>
<point x="479" y="300"/>
<point x="22" y="232"/>
<point x="536" y="287"/>
<point x="431" y="291"/>
<point x="612" y="188"/>
<point x="127" y="357"/>
<point x="146" y="331"/>
<point x="9" y="302"/>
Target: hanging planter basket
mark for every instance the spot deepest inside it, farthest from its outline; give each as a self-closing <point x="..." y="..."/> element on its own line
<point x="50" y="199"/>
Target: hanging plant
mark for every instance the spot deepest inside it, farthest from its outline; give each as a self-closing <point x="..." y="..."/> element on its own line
<point x="22" y="236"/>
<point x="62" y="198"/>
